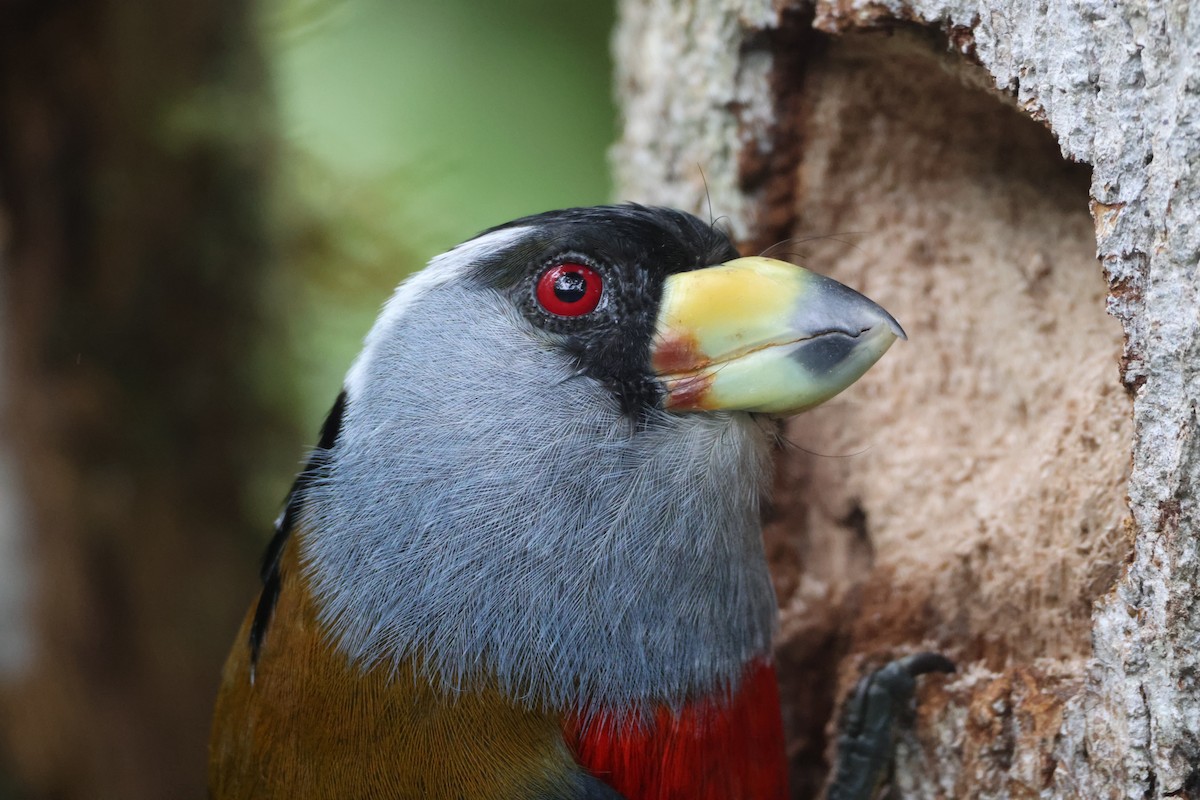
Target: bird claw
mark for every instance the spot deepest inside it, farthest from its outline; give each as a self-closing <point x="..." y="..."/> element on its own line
<point x="868" y="726"/>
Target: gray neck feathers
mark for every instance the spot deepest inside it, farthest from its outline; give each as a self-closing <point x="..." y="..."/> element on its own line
<point x="492" y="516"/>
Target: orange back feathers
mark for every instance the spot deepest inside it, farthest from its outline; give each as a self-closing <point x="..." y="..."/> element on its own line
<point x="313" y="725"/>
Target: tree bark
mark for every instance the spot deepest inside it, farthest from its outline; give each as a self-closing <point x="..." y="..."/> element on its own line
<point x="1015" y="486"/>
<point x="133" y="138"/>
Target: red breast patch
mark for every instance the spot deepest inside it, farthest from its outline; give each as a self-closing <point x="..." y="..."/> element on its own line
<point x="728" y="749"/>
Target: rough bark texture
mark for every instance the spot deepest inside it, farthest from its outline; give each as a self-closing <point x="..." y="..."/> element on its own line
<point x="1016" y="485"/>
<point x="131" y="151"/>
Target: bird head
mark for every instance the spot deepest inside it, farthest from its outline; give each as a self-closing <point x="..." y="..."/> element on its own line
<point x="551" y="453"/>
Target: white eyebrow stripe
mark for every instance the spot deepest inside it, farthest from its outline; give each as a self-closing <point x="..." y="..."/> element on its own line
<point x="440" y="269"/>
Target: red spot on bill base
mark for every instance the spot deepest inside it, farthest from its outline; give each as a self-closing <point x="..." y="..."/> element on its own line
<point x="688" y="393"/>
<point x="675" y="353"/>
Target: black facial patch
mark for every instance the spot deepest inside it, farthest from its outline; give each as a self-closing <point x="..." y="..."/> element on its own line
<point x="633" y="248"/>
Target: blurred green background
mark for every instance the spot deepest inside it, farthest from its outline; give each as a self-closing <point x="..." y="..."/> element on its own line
<point x="409" y="127"/>
<point x="203" y="204"/>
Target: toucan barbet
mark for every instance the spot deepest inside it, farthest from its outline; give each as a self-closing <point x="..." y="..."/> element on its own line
<point x="525" y="560"/>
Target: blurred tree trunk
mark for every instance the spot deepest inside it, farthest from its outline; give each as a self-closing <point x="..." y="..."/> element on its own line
<point x="133" y="135"/>
<point x="1016" y="485"/>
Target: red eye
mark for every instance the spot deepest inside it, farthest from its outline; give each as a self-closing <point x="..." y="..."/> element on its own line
<point x="570" y="290"/>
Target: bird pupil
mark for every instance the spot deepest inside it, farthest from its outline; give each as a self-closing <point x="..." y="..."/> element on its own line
<point x="570" y="287"/>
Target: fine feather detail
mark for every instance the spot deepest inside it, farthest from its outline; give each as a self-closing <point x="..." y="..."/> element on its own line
<point x="490" y="513"/>
<point x="713" y="749"/>
<point x="270" y="569"/>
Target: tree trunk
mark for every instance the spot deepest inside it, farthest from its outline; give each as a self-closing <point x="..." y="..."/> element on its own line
<point x="1015" y="486"/>
<point x="131" y="149"/>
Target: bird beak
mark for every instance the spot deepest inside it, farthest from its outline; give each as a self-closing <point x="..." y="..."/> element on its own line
<point x="762" y="335"/>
